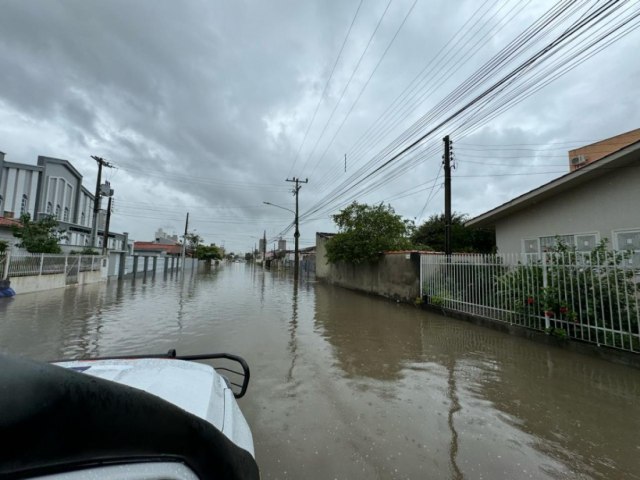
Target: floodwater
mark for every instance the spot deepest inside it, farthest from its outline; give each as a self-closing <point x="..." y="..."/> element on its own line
<point x="347" y="386"/>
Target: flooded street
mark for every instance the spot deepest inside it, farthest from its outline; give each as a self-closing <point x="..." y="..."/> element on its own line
<point x="348" y="386"/>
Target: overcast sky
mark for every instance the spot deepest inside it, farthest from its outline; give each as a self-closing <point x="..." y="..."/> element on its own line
<point x="204" y="106"/>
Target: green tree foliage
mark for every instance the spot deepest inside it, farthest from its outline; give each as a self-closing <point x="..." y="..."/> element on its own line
<point x="3" y="246"/>
<point x="365" y="232"/>
<point x="463" y="239"/>
<point x="209" y="252"/>
<point x="41" y="236"/>
<point x="248" y="256"/>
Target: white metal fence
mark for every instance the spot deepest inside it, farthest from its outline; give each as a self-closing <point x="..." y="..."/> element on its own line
<point x="26" y="264"/>
<point x="591" y="296"/>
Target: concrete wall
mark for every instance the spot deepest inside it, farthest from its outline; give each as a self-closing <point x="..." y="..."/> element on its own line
<point x="396" y="275"/>
<point x="38" y="283"/>
<point x="603" y="206"/>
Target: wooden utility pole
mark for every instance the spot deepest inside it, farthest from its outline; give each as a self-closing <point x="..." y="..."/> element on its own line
<point x="296" y="235"/>
<point x="96" y="200"/>
<point x="447" y="196"/>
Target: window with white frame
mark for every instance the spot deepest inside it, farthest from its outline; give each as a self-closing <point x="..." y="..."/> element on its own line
<point x="58" y="212"/>
<point x="49" y="208"/>
<point x="583" y="242"/>
<point x="66" y="214"/>
<point x="629" y="240"/>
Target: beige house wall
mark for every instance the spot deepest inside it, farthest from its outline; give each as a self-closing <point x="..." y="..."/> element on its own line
<point x="607" y="204"/>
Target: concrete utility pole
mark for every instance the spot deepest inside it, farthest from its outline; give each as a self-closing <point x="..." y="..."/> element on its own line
<point x="447" y="196"/>
<point x="183" y="255"/>
<point x="96" y="201"/>
<point x="105" y="237"/>
<point x="297" y="232"/>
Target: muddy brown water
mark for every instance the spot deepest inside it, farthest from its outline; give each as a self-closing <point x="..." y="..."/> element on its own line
<point x="348" y="386"/>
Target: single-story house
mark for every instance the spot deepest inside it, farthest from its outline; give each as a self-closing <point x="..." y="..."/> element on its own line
<point x="600" y="200"/>
<point x="154" y="248"/>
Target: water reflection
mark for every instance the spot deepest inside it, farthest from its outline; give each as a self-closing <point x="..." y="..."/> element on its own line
<point x="293" y="342"/>
<point x="369" y="338"/>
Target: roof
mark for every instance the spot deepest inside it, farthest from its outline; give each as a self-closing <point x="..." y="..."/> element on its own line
<point x="8" y="222"/>
<point x="628" y="156"/>
<point x="157" y="247"/>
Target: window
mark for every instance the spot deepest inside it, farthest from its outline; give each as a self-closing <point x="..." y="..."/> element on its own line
<point x="66" y="214"/>
<point x="586" y="243"/>
<point x="82" y="218"/>
<point x="24" y="206"/>
<point x="532" y="249"/>
<point x="549" y="243"/>
<point x="629" y="241"/>
<point x="49" y="208"/>
<point x="583" y="242"/>
<point x="1" y="211"/>
<point x="58" y="212"/>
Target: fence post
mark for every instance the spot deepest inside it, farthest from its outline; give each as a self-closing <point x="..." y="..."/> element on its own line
<point x="547" y="322"/>
<point x="41" y="262"/>
<point x="66" y="264"/>
<point x="7" y="261"/>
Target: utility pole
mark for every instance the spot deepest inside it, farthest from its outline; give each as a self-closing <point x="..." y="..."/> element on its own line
<point x="297" y="232"/>
<point x="264" y="249"/>
<point x="184" y="243"/>
<point x="96" y="201"/>
<point x="447" y="196"/>
<point x="105" y="237"/>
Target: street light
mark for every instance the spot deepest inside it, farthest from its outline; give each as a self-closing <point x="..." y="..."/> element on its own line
<point x="278" y="206"/>
<point x="296" y="236"/>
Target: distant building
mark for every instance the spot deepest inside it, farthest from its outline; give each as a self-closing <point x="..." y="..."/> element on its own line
<point x="262" y="245"/>
<point x="582" y="156"/>
<point x="164" y="237"/>
<point x="51" y="187"/>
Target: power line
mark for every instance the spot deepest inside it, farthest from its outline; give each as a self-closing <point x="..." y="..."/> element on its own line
<point x="326" y="86"/>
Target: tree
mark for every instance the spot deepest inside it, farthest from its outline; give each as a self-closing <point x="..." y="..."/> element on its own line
<point x="463" y="239"/>
<point x="193" y="240"/>
<point x="366" y="232"/>
<point x="41" y="236"/>
<point x="209" y="252"/>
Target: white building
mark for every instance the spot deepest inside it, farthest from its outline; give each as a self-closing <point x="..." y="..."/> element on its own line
<point x="52" y="187"/>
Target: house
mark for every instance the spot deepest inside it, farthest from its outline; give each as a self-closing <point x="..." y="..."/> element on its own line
<point x="600" y="200"/>
<point x="157" y="248"/>
<point x="51" y="187"/>
<point x="582" y="156"/>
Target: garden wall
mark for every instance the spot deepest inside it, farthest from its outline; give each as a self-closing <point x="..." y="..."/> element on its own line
<point x="396" y="275"/>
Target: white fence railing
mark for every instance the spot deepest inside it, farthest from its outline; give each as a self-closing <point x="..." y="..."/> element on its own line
<point x="592" y="296"/>
<point x="27" y="264"/>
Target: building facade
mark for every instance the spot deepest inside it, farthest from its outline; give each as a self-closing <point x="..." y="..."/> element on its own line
<point x="52" y="187"/>
<point x="588" y="154"/>
<point x="596" y="202"/>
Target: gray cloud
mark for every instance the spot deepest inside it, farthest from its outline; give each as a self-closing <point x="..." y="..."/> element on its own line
<point x="203" y="105"/>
